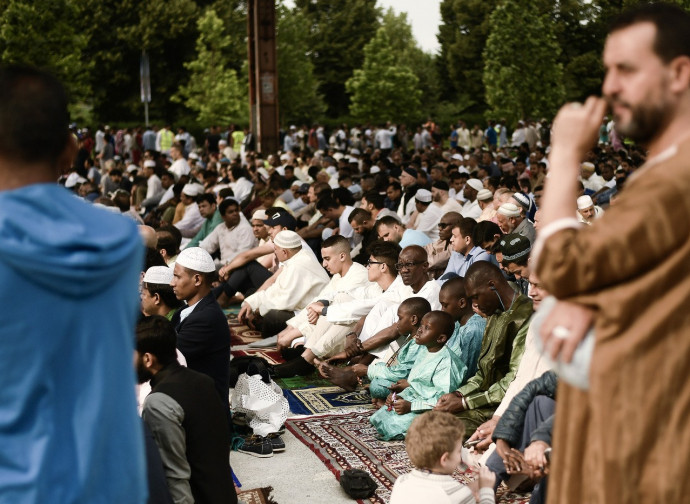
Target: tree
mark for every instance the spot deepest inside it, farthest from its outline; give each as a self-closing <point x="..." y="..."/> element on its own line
<point x="338" y="31"/>
<point x="384" y="88"/>
<point x="298" y="89"/>
<point x="214" y="91"/>
<point x="522" y="74"/>
<point x="43" y="33"/>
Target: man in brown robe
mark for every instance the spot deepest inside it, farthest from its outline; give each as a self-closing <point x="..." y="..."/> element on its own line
<point x="627" y="438"/>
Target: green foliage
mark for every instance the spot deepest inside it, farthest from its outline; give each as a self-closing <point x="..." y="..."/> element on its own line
<point x="43" y="33"/>
<point x="338" y="30"/>
<point x="384" y="88"/>
<point x="298" y="89"/>
<point x="522" y="74"/>
<point x="214" y="91"/>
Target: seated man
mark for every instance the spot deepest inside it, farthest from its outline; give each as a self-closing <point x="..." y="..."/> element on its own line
<point x="587" y="211"/>
<point x="208" y="209"/>
<point x="323" y="338"/>
<point x="436" y="371"/>
<point x="523" y="434"/>
<point x="465" y="251"/>
<point x="511" y="219"/>
<point x="515" y="250"/>
<point x="232" y="237"/>
<point x="300" y="279"/>
<point x="426" y="215"/>
<point x="391" y="229"/>
<point x="157" y="296"/>
<point x="203" y="335"/>
<point x="507" y="314"/>
<point x="440" y="250"/>
<point x="362" y="223"/>
<point x="188" y="421"/>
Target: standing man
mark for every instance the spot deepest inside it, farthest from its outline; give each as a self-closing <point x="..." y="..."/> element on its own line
<point x="69" y="430"/>
<point x="628" y="432"/>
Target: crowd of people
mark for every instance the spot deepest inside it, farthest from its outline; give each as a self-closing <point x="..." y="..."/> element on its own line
<point x="410" y="268"/>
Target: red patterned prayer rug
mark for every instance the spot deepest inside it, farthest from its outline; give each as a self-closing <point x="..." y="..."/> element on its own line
<point x="271" y="356"/>
<point x="256" y="496"/>
<point x="349" y="441"/>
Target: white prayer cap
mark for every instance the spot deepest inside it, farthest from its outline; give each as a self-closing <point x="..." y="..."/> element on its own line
<point x="462" y="169"/>
<point x="338" y="156"/>
<point x="457" y="157"/>
<point x="287" y="239"/>
<point x="162" y="275"/>
<point x="196" y="259"/>
<point x="285" y="157"/>
<point x="222" y="142"/>
<point x="509" y="210"/>
<point x="584" y="202"/>
<point x="423" y="196"/>
<point x="263" y="174"/>
<point x="475" y="184"/>
<point x="484" y="195"/>
<point x="192" y="190"/>
<point x="193" y="155"/>
<point x="149" y="163"/>
<point x="374" y="169"/>
<point x="587" y="166"/>
<point x="355" y="152"/>
<point x="132" y="168"/>
<point x="260" y="215"/>
<point x="74" y="179"/>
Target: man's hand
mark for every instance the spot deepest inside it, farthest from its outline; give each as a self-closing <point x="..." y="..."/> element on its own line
<point x="285" y="340"/>
<point x="224" y="272"/>
<point x="354" y="348"/>
<point x="450" y="403"/>
<point x="341" y="356"/>
<point x="534" y="456"/>
<point x="484" y="432"/>
<point x="246" y="315"/>
<point x="576" y="126"/>
<point x="399" y="386"/>
<point x="569" y="316"/>
<point x="313" y="312"/>
<point x="401" y="406"/>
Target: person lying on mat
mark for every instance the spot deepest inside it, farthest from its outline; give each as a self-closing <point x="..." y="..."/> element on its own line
<point x="436" y="371"/>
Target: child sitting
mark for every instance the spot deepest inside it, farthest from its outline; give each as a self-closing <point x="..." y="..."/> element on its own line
<point x="434" y="444"/>
<point x="436" y="371"/>
<point x="384" y="374"/>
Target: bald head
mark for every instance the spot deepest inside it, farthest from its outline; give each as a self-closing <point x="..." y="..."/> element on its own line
<point x="455" y="287"/>
<point x="415" y="253"/>
<point x="443" y="322"/>
<point x="148" y="235"/>
<point x="483" y="272"/>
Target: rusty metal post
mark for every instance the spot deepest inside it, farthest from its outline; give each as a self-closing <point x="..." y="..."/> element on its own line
<point x="263" y="75"/>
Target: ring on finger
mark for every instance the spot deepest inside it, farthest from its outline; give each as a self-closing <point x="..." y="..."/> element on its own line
<point x="560" y="332"/>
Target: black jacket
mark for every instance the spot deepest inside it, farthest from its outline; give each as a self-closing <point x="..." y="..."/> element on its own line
<point x="204" y="340"/>
<point x="511" y="424"/>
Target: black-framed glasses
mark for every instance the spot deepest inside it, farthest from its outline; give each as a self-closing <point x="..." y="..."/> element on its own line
<point x="370" y="262"/>
<point x="407" y="265"/>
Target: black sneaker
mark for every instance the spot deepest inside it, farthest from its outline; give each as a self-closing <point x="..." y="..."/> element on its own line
<point x="281" y="430"/>
<point x="277" y="442"/>
<point x="257" y="446"/>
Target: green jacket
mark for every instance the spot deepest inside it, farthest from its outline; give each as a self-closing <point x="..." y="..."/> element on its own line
<point x="206" y="228"/>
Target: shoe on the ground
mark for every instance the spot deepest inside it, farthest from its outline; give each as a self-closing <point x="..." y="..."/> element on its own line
<point x="257" y="446"/>
<point x="239" y="418"/>
<point x="277" y="442"/>
<point x="281" y="431"/>
<point x="292" y="352"/>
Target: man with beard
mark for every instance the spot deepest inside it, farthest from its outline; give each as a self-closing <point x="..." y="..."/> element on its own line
<point x="507" y="314"/>
<point x="186" y="417"/>
<point x="625" y="275"/>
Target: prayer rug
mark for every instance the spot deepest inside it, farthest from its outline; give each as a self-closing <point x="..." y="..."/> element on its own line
<point x="271" y="356"/>
<point x="243" y="335"/>
<point x="299" y="382"/>
<point x="315" y="400"/>
<point x="257" y="496"/>
<point x="349" y="441"/>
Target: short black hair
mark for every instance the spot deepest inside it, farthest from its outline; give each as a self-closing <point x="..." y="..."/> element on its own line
<point x="358" y="215"/>
<point x="388" y="220"/>
<point x="222" y="208"/>
<point x="156" y="335"/>
<point x="326" y="203"/>
<point x="225" y="192"/>
<point x="169" y="239"/>
<point x="386" y="252"/>
<point x="418" y="306"/>
<point x="34" y="122"/>
<point x="207" y="197"/>
<point x="467" y="225"/>
<point x="165" y="292"/>
<point x="484" y="232"/>
<point x="672" y="28"/>
<point x="375" y="199"/>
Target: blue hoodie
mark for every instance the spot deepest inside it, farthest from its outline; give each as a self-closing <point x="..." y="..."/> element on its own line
<point x="69" y="432"/>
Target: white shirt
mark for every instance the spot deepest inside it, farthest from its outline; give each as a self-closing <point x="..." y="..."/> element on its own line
<point x="242" y="188"/>
<point x="153" y="186"/>
<point x="451" y="205"/>
<point x="300" y="281"/>
<point x="420" y="486"/>
<point x="427" y="221"/>
<point x="384" y="137"/>
<point x="471" y="209"/>
<point x="179" y="167"/>
<point x="191" y="222"/>
<point x="230" y="242"/>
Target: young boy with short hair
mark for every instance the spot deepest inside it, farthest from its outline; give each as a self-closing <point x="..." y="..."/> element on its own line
<point x="434" y="444"/>
<point x="384" y="374"/>
<point x="437" y="371"/>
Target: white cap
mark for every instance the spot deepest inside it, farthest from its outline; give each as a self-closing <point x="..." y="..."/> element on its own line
<point x="584" y="202"/>
<point x="162" y="275"/>
<point x="260" y="215"/>
<point x="475" y="184"/>
<point x="193" y="155"/>
<point x="374" y="169"/>
<point x="132" y="168"/>
<point x="222" y="142"/>
<point x="484" y="195"/>
<point x="192" y="190"/>
<point x="196" y="259"/>
<point x="509" y="210"/>
<point x="423" y="196"/>
<point x="74" y="179"/>
<point x="263" y="173"/>
<point x="457" y="157"/>
<point x="287" y="239"/>
<point x="149" y="163"/>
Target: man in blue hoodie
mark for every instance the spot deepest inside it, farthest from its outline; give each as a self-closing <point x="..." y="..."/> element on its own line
<point x="69" y="431"/>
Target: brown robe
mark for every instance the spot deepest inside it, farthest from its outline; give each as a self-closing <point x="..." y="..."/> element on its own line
<point x="627" y="439"/>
